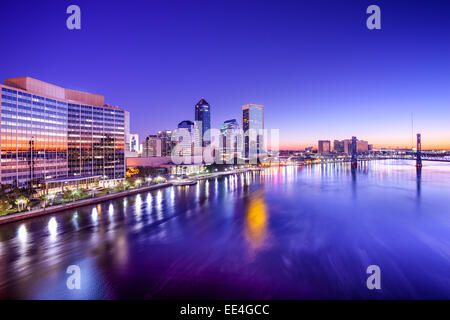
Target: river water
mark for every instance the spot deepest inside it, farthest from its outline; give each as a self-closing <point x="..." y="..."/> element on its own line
<point x="281" y="233"/>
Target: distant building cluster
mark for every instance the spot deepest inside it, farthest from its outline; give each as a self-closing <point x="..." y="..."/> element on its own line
<point x="343" y="147"/>
<point x="190" y="138"/>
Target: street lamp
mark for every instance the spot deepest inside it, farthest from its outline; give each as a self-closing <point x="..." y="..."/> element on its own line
<point x="51" y="196"/>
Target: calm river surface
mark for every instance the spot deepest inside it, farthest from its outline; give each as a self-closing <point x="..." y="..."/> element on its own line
<point x="282" y="233"/>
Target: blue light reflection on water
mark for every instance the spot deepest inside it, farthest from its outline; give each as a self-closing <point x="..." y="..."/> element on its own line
<point x="284" y="232"/>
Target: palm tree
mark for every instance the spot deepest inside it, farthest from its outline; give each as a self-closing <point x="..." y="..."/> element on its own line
<point x="21" y="202"/>
<point x="76" y="193"/>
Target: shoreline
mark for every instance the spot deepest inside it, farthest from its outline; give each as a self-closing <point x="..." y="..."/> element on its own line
<point x="14" y="217"/>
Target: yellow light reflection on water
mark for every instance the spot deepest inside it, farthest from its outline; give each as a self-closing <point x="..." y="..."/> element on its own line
<point x="256" y="222"/>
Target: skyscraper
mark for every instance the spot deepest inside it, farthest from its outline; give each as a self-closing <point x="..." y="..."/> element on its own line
<point x="231" y="140"/>
<point x="50" y="132"/>
<point x="252" y="125"/>
<point x="203" y="122"/>
<point x="151" y="146"/>
<point x="183" y="137"/>
<point x="166" y="142"/>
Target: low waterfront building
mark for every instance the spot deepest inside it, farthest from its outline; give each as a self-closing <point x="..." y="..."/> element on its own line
<point x="185" y="169"/>
<point x="69" y="183"/>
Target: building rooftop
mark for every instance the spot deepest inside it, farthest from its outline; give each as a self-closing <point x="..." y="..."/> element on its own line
<point x="67" y="179"/>
<point x="49" y="90"/>
<point x="246" y="106"/>
<point x="203" y="102"/>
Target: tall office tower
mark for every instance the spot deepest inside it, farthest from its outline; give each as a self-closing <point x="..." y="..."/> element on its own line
<point x="151" y="146"/>
<point x="166" y="142"/>
<point x="253" y="120"/>
<point x="338" y="146"/>
<point x="50" y="132"/>
<point x="231" y="140"/>
<point x="324" y="147"/>
<point x="203" y="123"/>
<point x="183" y="137"/>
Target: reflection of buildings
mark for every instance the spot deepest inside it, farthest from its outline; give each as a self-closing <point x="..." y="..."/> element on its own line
<point x="252" y="125"/>
<point x="418" y="179"/>
<point x="256" y="222"/>
<point x="64" y="126"/>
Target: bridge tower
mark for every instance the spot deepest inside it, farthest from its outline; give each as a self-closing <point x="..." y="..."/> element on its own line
<point x="419" y="151"/>
<point x="354" y="153"/>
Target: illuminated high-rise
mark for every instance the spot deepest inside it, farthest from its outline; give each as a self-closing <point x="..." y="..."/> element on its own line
<point x="252" y="125"/>
<point x="203" y="122"/>
<point x="231" y="143"/>
<point x="50" y="132"/>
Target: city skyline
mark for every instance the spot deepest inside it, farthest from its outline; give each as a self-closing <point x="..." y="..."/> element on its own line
<point x="314" y="85"/>
<point x="229" y="158"/>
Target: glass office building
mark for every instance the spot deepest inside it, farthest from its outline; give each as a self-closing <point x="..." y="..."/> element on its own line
<point x="183" y="137"/>
<point x="231" y="140"/>
<point x="203" y="122"/>
<point x="253" y="124"/>
<point x="49" y="132"/>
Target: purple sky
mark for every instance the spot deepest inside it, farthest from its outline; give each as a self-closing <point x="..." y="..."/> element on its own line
<point x="320" y="73"/>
